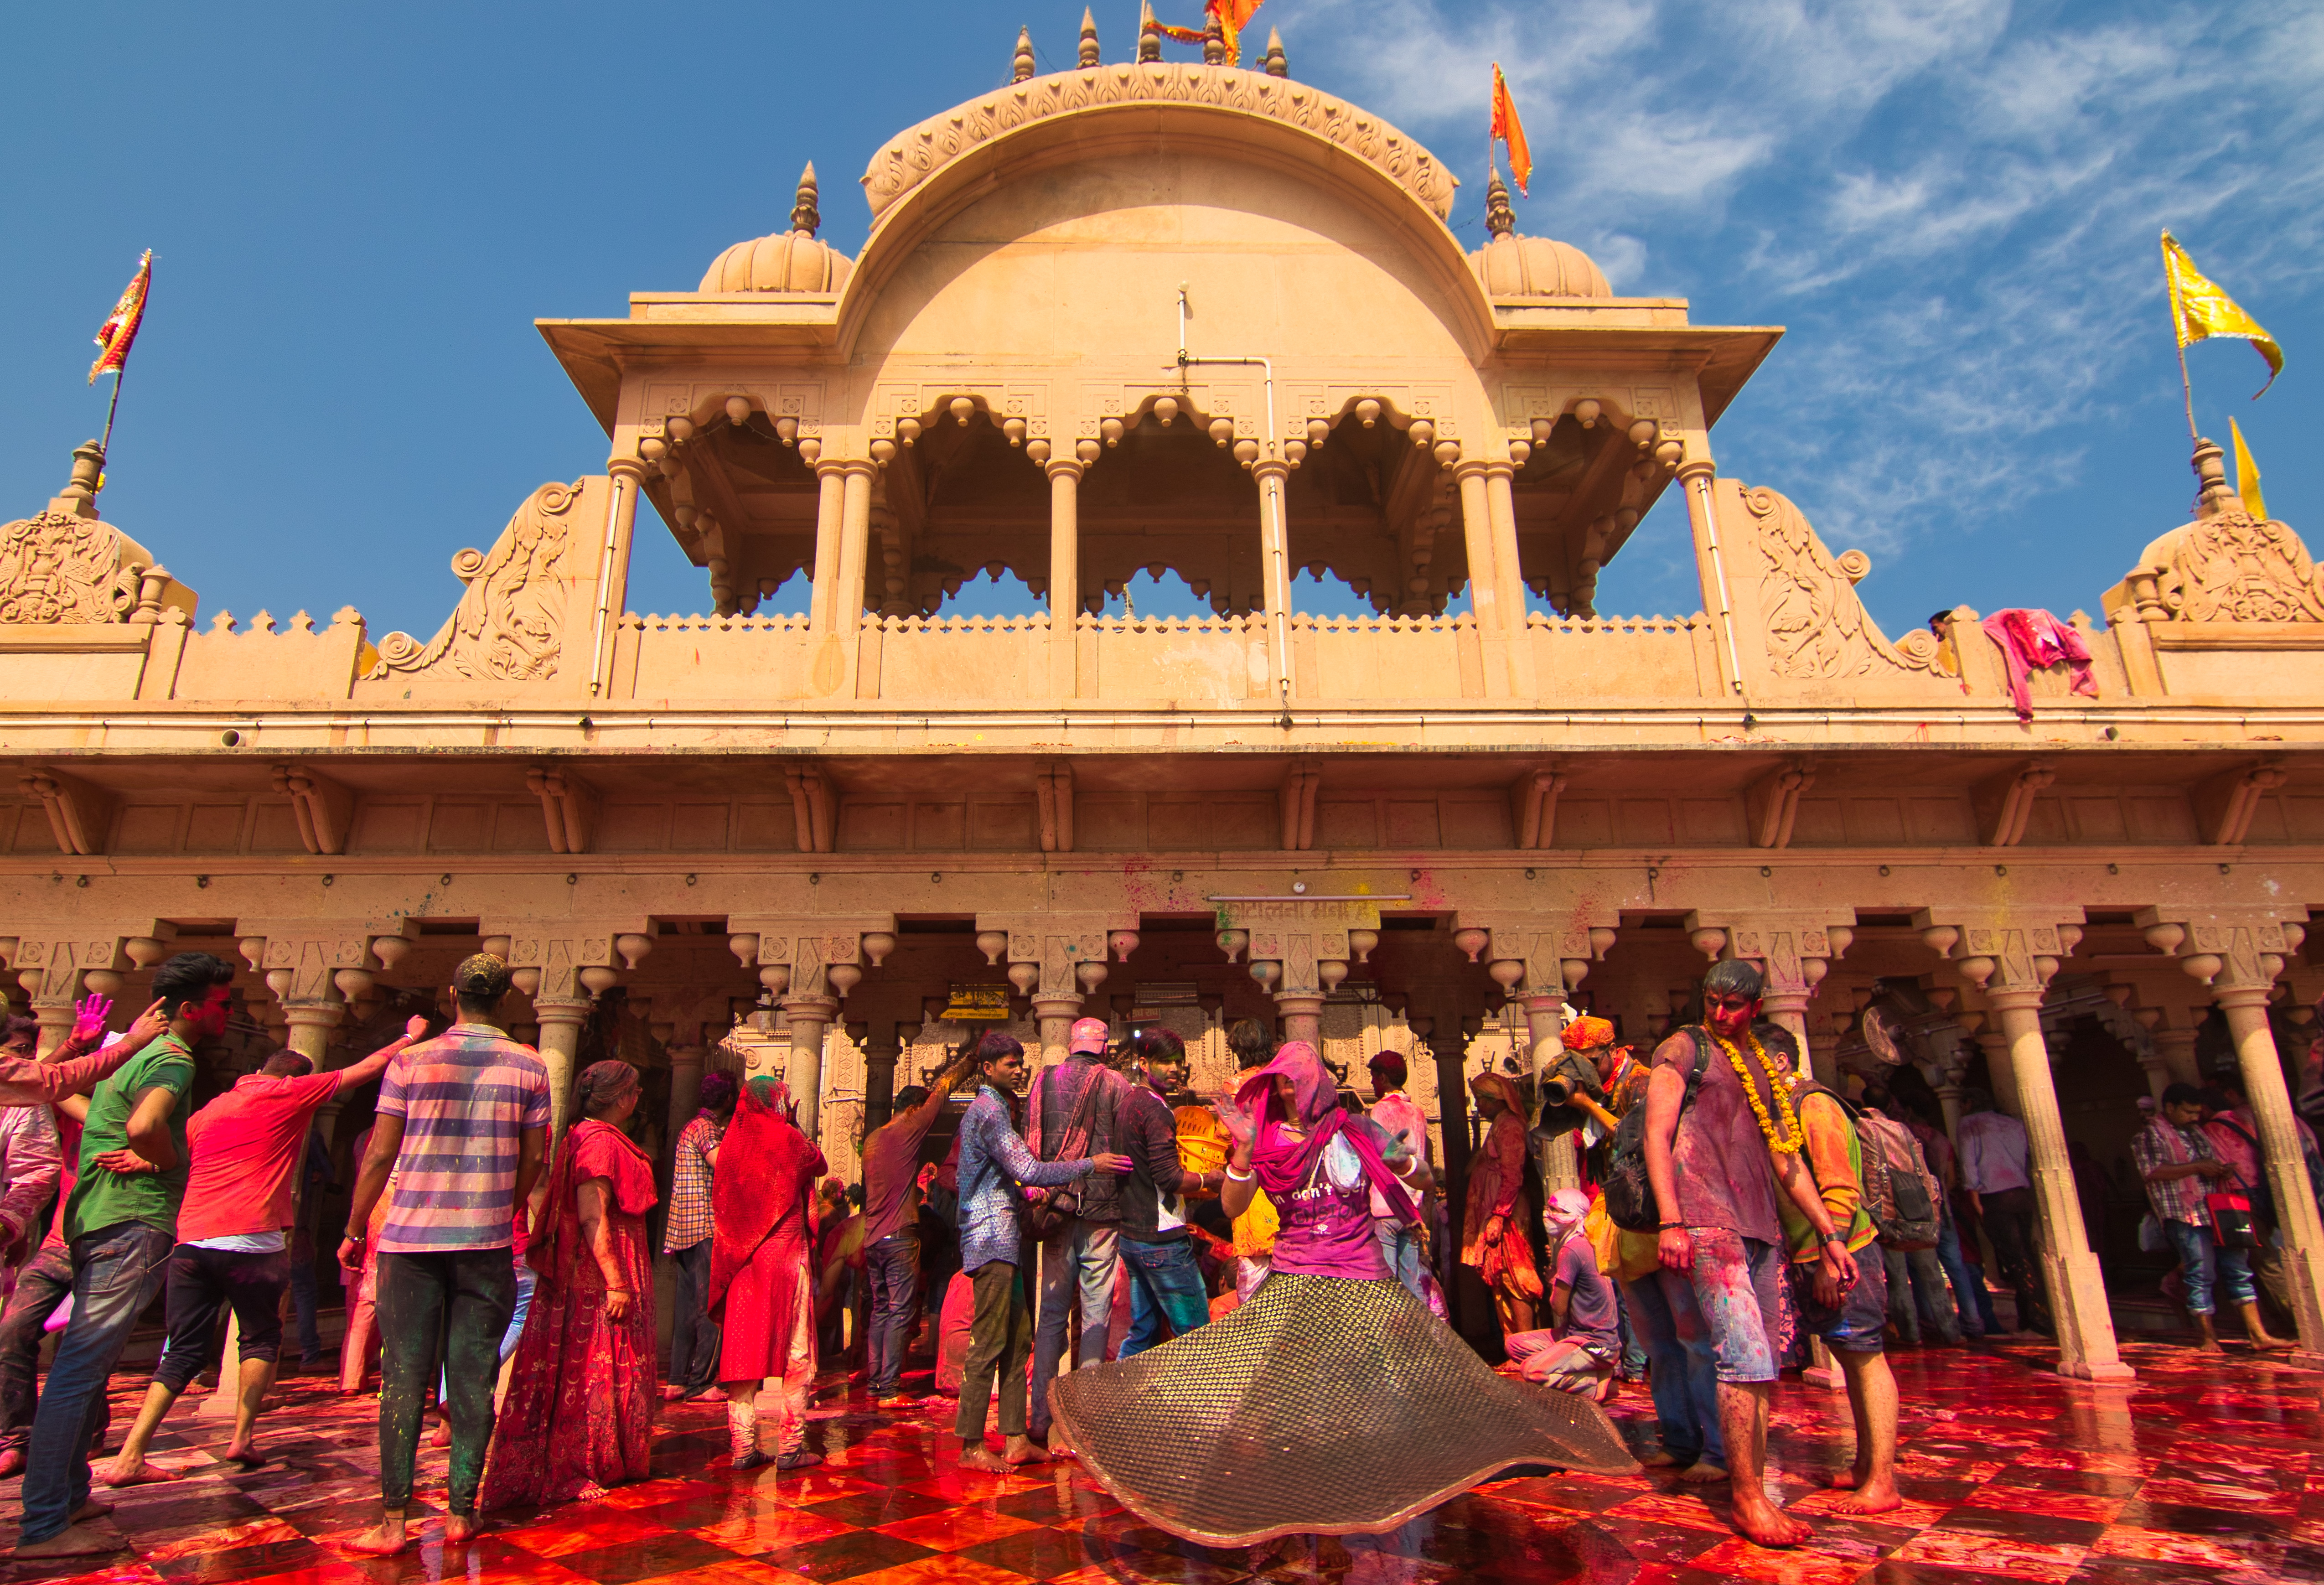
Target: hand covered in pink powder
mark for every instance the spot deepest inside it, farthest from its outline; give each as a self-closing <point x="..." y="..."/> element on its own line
<point x="89" y="1017"/>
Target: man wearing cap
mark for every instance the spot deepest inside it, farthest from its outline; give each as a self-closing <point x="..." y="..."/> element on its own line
<point x="463" y="1127"/>
<point x="1074" y="1113"/>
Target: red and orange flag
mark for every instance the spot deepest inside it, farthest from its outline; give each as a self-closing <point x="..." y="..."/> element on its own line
<point x="1509" y="130"/>
<point x="120" y="327"/>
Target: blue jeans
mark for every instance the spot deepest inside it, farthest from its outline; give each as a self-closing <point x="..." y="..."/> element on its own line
<point x="1682" y="1375"/>
<point x="2200" y="1260"/>
<point x="1166" y="1284"/>
<point x="892" y="1267"/>
<point x="1969" y="1290"/>
<point x="1077" y="1260"/>
<point x="694" y="1336"/>
<point x="116" y="1272"/>
<point x="1399" y="1247"/>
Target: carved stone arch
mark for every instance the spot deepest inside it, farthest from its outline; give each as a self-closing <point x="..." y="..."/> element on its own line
<point x="1813" y="629"/>
<point x="522" y="596"/>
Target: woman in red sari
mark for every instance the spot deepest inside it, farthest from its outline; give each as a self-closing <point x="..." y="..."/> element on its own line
<point x="580" y="1401"/>
<point x="761" y="1287"/>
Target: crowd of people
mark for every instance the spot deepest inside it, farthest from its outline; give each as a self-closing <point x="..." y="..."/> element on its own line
<point x="1137" y="1277"/>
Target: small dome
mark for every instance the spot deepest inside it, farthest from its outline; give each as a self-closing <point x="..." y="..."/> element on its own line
<point x="1510" y="265"/>
<point x="788" y="261"/>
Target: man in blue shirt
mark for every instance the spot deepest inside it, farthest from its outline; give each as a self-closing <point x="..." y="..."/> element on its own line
<point x="994" y="1167"/>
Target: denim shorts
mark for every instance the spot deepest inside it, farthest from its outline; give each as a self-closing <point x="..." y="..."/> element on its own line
<point x="1731" y="1296"/>
<point x="1857" y="1325"/>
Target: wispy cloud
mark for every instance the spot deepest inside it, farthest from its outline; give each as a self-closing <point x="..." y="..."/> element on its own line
<point x="1952" y="203"/>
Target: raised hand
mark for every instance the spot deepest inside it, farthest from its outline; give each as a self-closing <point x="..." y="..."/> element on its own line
<point x="89" y="1017"/>
<point x="149" y="1026"/>
<point x="416" y="1026"/>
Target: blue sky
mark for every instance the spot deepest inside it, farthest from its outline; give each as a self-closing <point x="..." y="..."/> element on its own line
<point x="358" y="212"/>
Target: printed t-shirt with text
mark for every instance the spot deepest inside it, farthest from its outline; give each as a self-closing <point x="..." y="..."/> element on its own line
<point x="102" y="1199"/>
<point x="466" y="1099"/>
<point x="245" y="1144"/>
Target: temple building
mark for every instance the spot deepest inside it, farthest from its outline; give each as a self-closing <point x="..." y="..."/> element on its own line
<point x="1209" y="322"/>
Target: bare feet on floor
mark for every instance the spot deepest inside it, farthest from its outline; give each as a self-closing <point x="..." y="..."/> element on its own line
<point x="1024" y="1450"/>
<point x="75" y="1541"/>
<point x="1702" y="1472"/>
<point x="1765" y="1525"/>
<point x="1661" y="1459"/>
<point x="246" y="1454"/>
<point x="92" y="1508"/>
<point x="985" y="1458"/>
<point x="123" y="1470"/>
<point x="459" y="1529"/>
<point x="1876" y="1497"/>
<point x="384" y="1539"/>
<point x="11" y="1463"/>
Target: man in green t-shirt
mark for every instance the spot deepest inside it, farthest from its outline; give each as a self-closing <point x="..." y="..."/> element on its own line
<point x="121" y="1224"/>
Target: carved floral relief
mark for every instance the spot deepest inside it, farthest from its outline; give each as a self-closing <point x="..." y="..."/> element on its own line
<point x="61" y="569"/>
<point x="1817" y="628"/>
<point x="2232" y="566"/>
<point x="910" y="160"/>
<point x="509" y="625"/>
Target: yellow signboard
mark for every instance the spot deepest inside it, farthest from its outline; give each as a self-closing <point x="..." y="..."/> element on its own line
<point x="978" y="1004"/>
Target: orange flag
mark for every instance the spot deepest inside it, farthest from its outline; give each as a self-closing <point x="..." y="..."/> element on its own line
<point x="1234" y="16"/>
<point x="1510" y="131"/>
<point x="120" y="327"/>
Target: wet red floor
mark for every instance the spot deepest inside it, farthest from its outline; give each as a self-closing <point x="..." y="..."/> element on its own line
<point x="2201" y="1470"/>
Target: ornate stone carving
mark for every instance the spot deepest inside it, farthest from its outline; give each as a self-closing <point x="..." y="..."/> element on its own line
<point x="510" y="626"/>
<point x="2232" y="566"/>
<point x="60" y="567"/>
<point x="1817" y="630"/>
<point x="912" y="157"/>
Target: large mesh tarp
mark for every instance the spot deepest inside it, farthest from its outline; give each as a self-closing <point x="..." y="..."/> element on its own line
<point x="1324" y="1406"/>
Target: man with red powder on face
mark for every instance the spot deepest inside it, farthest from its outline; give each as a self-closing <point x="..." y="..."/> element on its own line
<point x="1717" y="1119"/>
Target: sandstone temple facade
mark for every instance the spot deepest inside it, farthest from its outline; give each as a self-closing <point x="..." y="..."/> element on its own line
<point x="1211" y="322"/>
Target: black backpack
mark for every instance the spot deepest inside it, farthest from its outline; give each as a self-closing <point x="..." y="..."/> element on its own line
<point x="1629" y="1192"/>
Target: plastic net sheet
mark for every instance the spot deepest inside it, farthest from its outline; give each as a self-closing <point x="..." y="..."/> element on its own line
<point x="1324" y="1406"/>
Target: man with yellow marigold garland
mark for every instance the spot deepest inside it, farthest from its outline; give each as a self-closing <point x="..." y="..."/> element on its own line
<point x="1717" y="1118"/>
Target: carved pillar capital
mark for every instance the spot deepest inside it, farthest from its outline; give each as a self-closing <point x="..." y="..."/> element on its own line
<point x="630" y="470"/>
<point x="1063" y="468"/>
<point x="1698" y="467"/>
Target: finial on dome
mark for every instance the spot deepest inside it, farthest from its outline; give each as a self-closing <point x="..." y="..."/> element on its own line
<point x="1499" y="218"/>
<point x="1214" y="43"/>
<point x="1088" y="38"/>
<point x="1275" y="61"/>
<point x="1149" y="33"/>
<point x="1024" y="55"/>
<point x="2213" y="494"/>
<point x="805" y="216"/>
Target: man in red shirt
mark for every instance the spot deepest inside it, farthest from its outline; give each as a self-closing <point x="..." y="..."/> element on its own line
<point x="232" y="1245"/>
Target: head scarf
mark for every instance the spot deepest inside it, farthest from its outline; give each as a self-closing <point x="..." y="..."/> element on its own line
<point x="763" y="1175"/>
<point x="1504" y="1087"/>
<point x="1565" y="1208"/>
<point x="602" y="1082"/>
<point x="1587" y="1033"/>
<point x="1285" y="1164"/>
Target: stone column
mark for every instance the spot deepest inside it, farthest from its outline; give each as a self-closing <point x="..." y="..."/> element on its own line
<point x="808" y="1017"/>
<point x="1057" y="1011"/>
<point x="2011" y="962"/>
<point x="627" y="476"/>
<point x="311" y="1023"/>
<point x="560" y="1022"/>
<point x="2239" y="956"/>
<point x="855" y="546"/>
<point x="1484" y="579"/>
<point x="2175" y="1048"/>
<point x="880" y="1051"/>
<point x="1303" y="1016"/>
<point x="1064" y="571"/>
<point x="1792" y="953"/>
<point x="1275" y="570"/>
<point x="830" y="485"/>
<point x="1508" y="574"/>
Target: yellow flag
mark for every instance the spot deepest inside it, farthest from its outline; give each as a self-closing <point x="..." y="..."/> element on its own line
<point x="2247" y="476"/>
<point x="2201" y="309"/>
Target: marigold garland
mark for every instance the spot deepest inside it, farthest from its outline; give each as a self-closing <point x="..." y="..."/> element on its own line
<point x="1793" y="1135"/>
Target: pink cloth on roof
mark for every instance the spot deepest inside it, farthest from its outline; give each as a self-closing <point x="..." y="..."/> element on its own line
<point x="2032" y="640"/>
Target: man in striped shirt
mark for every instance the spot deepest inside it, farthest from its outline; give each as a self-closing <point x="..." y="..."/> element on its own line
<point x="464" y="1126"/>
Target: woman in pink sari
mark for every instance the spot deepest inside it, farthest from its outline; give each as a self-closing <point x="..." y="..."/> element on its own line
<point x="1332" y="1402"/>
<point x="581" y="1399"/>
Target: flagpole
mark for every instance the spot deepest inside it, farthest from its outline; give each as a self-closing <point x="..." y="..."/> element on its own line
<point x="104" y="446"/>
<point x="2178" y="335"/>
